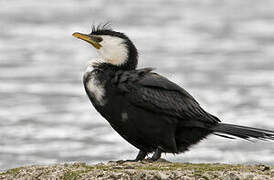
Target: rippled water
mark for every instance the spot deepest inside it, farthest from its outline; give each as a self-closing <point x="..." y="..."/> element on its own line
<point x="222" y="52"/>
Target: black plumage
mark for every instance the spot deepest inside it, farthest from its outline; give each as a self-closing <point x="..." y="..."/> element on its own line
<point x="149" y="111"/>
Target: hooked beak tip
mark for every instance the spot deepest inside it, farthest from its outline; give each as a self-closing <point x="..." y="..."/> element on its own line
<point x="76" y="34"/>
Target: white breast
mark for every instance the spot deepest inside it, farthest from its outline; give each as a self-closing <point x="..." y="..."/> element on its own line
<point x="95" y="87"/>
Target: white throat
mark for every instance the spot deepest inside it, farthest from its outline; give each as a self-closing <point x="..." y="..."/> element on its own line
<point x="113" y="50"/>
<point x="95" y="88"/>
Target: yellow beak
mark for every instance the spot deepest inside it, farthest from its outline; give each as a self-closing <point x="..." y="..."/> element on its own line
<point x="88" y="39"/>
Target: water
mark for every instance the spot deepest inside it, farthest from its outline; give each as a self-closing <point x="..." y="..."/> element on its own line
<point x="222" y="52"/>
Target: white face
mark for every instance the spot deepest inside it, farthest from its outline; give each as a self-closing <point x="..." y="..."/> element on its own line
<point x="113" y="50"/>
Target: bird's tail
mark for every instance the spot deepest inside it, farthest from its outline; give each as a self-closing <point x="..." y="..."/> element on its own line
<point x="243" y="132"/>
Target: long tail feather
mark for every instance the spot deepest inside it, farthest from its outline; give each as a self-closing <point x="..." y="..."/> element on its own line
<point x="242" y="132"/>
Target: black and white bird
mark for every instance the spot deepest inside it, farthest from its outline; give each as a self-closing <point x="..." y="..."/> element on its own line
<point x="146" y="109"/>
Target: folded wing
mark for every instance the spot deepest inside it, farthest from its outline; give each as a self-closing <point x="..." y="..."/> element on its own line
<point x="155" y="93"/>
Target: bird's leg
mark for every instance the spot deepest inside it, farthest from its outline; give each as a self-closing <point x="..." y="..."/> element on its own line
<point x="156" y="155"/>
<point x="141" y="156"/>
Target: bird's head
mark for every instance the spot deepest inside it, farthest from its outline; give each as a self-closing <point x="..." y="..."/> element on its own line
<point x="113" y="47"/>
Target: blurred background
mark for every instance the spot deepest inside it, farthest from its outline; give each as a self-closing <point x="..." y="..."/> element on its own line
<point x="221" y="51"/>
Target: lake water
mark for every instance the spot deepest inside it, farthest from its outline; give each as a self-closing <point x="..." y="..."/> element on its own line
<point x="222" y="52"/>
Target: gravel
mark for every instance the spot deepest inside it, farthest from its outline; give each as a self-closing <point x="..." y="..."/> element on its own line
<point x="140" y="170"/>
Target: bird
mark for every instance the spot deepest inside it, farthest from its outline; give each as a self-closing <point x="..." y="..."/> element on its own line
<point x="148" y="110"/>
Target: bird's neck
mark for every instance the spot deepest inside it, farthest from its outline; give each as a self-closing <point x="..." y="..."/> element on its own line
<point x="104" y="66"/>
<point x="108" y="66"/>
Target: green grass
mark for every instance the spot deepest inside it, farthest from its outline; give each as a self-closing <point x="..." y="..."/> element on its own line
<point x="74" y="171"/>
<point x="13" y="171"/>
<point x="72" y="175"/>
<point x="186" y="166"/>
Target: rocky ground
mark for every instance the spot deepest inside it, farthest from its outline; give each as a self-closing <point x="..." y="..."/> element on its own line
<point x="141" y="170"/>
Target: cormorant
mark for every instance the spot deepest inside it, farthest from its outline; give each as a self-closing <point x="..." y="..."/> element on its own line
<point x="146" y="109"/>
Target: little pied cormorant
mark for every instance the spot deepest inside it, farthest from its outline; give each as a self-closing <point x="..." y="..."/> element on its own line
<point x="145" y="108"/>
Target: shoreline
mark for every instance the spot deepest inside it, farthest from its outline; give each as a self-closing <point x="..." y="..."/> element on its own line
<point x="140" y="170"/>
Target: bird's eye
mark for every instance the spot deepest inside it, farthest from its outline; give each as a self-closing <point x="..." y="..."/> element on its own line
<point x="97" y="38"/>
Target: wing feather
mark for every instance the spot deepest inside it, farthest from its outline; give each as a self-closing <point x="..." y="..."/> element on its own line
<point x="156" y="93"/>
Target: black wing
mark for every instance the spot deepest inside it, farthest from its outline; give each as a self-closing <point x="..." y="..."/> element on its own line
<point x="156" y="93"/>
